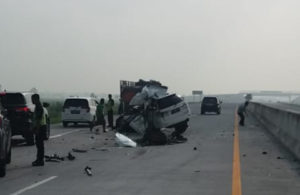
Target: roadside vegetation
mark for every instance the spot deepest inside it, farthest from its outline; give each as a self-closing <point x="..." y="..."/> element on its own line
<point x="54" y="110"/>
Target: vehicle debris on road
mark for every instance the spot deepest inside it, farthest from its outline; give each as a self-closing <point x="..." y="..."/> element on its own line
<point x="54" y="158"/>
<point x="70" y="156"/>
<point x="79" y="150"/>
<point x="123" y="140"/>
<point x="88" y="170"/>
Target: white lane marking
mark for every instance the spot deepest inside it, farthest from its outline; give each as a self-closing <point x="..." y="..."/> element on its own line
<point x="34" y="185"/>
<point x="66" y="133"/>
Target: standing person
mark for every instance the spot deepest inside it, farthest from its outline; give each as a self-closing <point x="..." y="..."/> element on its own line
<point x="39" y="129"/>
<point x="241" y="112"/>
<point x="110" y="112"/>
<point x="100" y="115"/>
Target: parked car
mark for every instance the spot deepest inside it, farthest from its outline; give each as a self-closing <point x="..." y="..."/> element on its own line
<point x="211" y="104"/>
<point x="79" y="110"/>
<point x="5" y="141"/>
<point x="20" y="110"/>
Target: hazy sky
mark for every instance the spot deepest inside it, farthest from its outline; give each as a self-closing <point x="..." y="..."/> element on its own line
<point x="219" y="46"/>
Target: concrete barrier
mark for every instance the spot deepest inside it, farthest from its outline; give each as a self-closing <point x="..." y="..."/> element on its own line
<point x="285" y="125"/>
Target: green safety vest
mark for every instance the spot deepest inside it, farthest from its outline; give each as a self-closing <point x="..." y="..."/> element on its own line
<point x="43" y="121"/>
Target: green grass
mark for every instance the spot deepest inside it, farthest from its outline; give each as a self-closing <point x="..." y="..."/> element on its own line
<point x="54" y="110"/>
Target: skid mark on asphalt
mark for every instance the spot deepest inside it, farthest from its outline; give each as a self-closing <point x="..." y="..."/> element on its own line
<point x="66" y="133"/>
<point x="236" y="168"/>
<point x="34" y="185"/>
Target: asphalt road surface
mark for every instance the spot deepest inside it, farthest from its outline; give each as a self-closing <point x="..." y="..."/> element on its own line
<point x="217" y="158"/>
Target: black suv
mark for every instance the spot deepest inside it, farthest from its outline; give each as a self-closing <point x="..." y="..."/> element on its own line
<point x="20" y="110"/>
<point x="5" y="141"/>
<point x="210" y="104"/>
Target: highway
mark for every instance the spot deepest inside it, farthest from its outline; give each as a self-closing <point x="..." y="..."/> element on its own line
<point x="219" y="158"/>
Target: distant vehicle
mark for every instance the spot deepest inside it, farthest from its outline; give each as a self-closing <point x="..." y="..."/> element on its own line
<point x="5" y="141"/>
<point x="20" y="110"/>
<point x="79" y="110"/>
<point x="211" y="104"/>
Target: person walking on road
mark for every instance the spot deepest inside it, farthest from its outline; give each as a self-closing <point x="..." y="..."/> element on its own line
<point x="110" y="112"/>
<point x="39" y="129"/>
<point x="242" y="112"/>
<point x="100" y="115"/>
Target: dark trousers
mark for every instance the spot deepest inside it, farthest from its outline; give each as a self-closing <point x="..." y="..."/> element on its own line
<point x="110" y="116"/>
<point x="39" y="142"/>
<point x="101" y="121"/>
<point x="242" y="119"/>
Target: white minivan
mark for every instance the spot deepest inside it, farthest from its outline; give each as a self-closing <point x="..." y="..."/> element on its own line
<point x="79" y="110"/>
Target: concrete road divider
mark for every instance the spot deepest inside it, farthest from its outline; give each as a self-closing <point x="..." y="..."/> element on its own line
<point x="283" y="124"/>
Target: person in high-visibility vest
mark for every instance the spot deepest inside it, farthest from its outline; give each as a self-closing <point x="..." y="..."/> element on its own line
<point x="110" y="113"/>
<point x="100" y="115"/>
<point x="39" y="129"/>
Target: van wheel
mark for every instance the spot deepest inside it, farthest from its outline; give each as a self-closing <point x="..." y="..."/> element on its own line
<point x="65" y="124"/>
<point x="2" y="169"/>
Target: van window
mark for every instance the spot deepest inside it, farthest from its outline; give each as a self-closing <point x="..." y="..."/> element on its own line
<point x="12" y="99"/>
<point x="210" y="100"/>
<point x="83" y="103"/>
<point x="169" y="101"/>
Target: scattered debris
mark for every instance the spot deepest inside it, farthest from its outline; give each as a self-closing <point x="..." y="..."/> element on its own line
<point x="195" y="148"/>
<point x="123" y="140"/>
<point x="70" y="156"/>
<point x="54" y="158"/>
<point x="101" y="149"/>
<point x="264" y="153"/>
<point x="79" y="150"/>
<point x="88" y="170"/>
